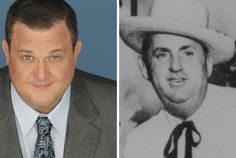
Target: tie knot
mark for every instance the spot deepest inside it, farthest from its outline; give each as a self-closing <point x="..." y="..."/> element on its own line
<point x="185" y="124"/>
<point x="43" y="125"/>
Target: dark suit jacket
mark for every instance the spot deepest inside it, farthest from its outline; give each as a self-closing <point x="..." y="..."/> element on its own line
<point x="91" y="129"/>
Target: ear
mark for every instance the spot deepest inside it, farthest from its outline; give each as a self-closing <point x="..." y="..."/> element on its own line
<point x="76" y="51"/>
<point x="6" y="50"/>
<point x="209" y="65"/>
<point x="142" y="67"/>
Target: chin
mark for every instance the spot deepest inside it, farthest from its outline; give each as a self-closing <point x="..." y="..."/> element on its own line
<point x="179" y="99"/>
<point x="42" y="107"/>
<point x="179" y="114"/>
<point x="175" y="98"/>
<point x="42" y="103"/>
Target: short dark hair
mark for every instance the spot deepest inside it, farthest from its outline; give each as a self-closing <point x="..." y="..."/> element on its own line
<point x="42" y="15"/>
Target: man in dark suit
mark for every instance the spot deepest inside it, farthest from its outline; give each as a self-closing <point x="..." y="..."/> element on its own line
<point x="47" y="107"/>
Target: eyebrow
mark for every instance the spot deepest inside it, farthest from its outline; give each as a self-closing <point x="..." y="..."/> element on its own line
<point x="24" y="51"/>
<point x="160" y="49"/>
<point x="164" y="49"/>
<point x="31" y="52"/>
<point x="57" y="50"/>
<point x="186" y="47"/>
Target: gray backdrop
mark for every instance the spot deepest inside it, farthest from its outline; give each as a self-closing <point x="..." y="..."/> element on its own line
<point x="97" y="31"/>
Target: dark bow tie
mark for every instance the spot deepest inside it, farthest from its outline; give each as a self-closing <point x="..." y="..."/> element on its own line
<point x="175" y="135"/>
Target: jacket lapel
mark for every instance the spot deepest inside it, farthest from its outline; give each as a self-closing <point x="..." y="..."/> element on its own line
<point x="9" y="142"/>
<point x="82" y="133"/>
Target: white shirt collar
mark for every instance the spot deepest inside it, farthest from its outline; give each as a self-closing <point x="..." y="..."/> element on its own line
<point x="27" y="116"/>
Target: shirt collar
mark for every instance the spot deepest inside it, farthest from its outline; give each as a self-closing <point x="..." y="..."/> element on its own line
<point x="27" y="116"/>
<point x="58" y="116"/>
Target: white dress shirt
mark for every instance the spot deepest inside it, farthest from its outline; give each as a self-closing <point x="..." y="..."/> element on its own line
<point x="215" y="120"/>
<point x="27" y="129"/>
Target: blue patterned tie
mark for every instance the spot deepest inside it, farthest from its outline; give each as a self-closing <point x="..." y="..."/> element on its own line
<point x="44" y="145"/>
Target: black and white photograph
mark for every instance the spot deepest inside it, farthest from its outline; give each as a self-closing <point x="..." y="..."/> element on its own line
<point x="177" y="78"/>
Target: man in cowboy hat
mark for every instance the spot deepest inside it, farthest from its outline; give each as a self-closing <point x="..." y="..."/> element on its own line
<point x="177" y="53"/>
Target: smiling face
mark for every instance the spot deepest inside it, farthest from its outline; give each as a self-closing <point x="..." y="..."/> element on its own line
<point x="41" y="63"/>
<point x="178" y="69"/>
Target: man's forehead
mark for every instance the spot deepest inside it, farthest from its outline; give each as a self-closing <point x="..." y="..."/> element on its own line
<point x="22" y="26"/>
<point x="21" y="31"/>
<point x="26" y="38"/>
<point x="173" y="40"/>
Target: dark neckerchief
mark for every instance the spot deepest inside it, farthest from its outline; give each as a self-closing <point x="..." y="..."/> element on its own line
<point x="175" y="135"/>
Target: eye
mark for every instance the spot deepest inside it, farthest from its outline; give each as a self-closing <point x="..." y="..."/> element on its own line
<point x="28" y="58"/>
<point x="189" y="53"/>
<point x="161" y="55"/>
<point x="55" y="58"/>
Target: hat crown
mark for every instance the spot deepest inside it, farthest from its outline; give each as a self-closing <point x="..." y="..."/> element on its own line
<point x="186" y="11"/>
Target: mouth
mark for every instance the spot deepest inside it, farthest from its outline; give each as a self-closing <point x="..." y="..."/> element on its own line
<point x="42" y="85"/>
<point x="176" y="81"/>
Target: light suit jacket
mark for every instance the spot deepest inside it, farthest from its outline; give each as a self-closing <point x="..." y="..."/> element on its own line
<point x="91" y="128"/>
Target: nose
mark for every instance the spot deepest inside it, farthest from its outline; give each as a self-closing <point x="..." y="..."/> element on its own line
<point x="175" y="64"/>
<point x="41" y="70"/>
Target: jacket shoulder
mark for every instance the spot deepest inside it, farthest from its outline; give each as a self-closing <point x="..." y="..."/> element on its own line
<point x="4" y="83"/>
<point x="91" y="78"/>
<point x="96" y="83"/>
<point x="101" y="90"/>
<point x="4" y="77"/>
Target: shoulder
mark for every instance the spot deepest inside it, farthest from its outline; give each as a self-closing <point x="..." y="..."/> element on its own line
<point x="5" y="99"/>
<point x="149" y="127"/>
<point x="148" y="139"/>
<point x="3" y="70"/>
<point x="96" y="86"/>
<point x="4" y="82"/>
<point x="221" y="92"/>
<point x="4" y="74"/>
<point x="95" y="81"/>
<point x="101" y="91"/>
<point x="222" y="100"/>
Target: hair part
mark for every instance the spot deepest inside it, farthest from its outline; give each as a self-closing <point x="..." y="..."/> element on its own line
<point x="41" y="15"/>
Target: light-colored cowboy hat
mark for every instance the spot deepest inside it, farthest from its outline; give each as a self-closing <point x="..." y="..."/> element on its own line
<point x="187" y="18"/>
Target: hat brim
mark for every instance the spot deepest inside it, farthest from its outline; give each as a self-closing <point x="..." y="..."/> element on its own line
<point x="134" y="29"/>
